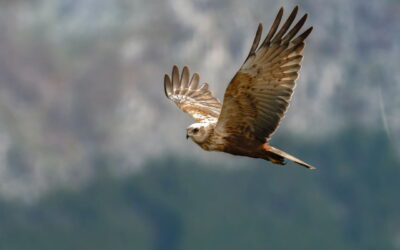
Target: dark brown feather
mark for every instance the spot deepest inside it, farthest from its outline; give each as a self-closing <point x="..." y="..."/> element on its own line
<point x="256" y="41"/>
<point x="274" y="28"/>
<point x="258" y="96"/>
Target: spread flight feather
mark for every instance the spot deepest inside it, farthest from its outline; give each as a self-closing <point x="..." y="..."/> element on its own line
<point x="255" y="100"/>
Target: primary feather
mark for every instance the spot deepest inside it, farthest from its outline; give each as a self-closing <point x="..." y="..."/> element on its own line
<point x="193" y="99"/>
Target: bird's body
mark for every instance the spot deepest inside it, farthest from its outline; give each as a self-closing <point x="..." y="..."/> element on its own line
<point x="213" y="140"/>
<point x="255" y="100"/>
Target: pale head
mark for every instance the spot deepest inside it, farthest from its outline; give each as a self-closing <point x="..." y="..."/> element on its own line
<point x="198" y="132"/>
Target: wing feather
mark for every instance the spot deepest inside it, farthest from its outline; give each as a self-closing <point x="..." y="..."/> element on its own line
<point x="273" y="29"/>
<point x="168" y="88"/>
<point x="194" y="83"/>
<point x="193" y="99"/>
<point x="285" y="26"/>
<point x="258" y="96"/>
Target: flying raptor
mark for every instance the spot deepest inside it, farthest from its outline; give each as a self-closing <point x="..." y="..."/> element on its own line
<point x="255" y="100"/>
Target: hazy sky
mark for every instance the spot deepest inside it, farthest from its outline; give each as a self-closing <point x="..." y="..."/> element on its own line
<point x="84" y="77"/>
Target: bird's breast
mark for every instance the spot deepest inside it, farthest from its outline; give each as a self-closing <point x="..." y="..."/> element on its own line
<point x="214" y="142"/>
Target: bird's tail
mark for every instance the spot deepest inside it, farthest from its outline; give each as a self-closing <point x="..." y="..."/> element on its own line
<point x="278" y="157"/>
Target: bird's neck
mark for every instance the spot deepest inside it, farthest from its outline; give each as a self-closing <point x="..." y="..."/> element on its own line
<point x="208" y="143"/>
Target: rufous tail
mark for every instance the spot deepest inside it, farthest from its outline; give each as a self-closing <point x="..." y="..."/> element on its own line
<point x="285" y="155"/>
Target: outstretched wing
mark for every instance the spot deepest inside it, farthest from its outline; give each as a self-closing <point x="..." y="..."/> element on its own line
<point x="259" y="94"/>
<point x="193" y="99"/>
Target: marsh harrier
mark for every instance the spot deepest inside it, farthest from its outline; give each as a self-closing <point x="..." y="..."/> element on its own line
<point x="255" y="100"/>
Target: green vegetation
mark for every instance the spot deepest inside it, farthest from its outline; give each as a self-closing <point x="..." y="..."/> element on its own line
<point x="350" y="202"/>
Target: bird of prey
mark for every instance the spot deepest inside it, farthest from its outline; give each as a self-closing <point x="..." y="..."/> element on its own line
<point x="255" y="100"/>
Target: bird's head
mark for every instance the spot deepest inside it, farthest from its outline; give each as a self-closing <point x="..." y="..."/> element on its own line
<point x="198" y="132"/>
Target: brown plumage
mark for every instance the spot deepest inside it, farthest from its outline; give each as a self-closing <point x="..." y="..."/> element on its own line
<point x="255" y="100"/>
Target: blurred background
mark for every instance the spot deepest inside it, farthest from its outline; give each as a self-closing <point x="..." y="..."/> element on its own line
<point x="93" y="156"/>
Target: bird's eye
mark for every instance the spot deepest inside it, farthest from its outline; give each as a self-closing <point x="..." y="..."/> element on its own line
<point x="195" y="130"/>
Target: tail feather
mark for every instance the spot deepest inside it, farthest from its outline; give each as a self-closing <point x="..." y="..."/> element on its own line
<point x="285" y="155"/>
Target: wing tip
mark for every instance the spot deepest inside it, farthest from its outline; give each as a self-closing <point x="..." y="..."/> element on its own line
<point x="306" y="33"/>
<point x="185" y="68"/>
<point x="295" y="10"/>
<point x="184" y="81"/>
<point x="303" y="36"/>
<point x="256" y="41"/>
<point x="194" y="82"/>
<point x="204" y="86"/>
<point x="167" y="85"/>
